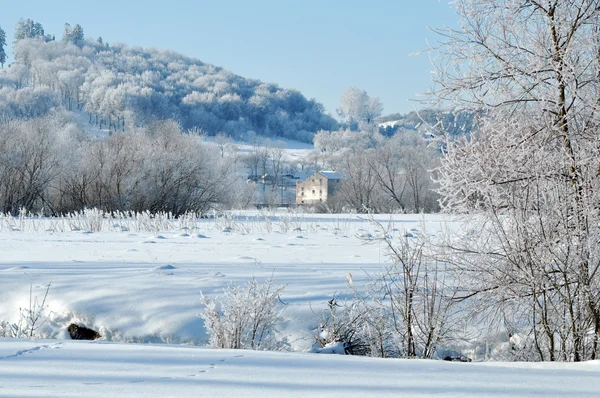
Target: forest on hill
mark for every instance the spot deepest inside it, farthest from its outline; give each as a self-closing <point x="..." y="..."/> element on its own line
<point x="121" y="87"/>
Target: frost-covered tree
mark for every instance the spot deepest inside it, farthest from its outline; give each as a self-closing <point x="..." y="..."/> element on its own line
<point x="385" y="174"/>
<point x="31" y="161"/>
<point x="77" y="34"/>
<point x="28" y="29"/>
<point x="2" y="45"/>
<point x="402" y="167"/>
<point x="73" y="36"/>
<point x="224" y="143"/>
<point x="356" y="107"/>
<point x="529" y="176"/>
<point x="359" y="192"/>
<point x="67" y="32"/>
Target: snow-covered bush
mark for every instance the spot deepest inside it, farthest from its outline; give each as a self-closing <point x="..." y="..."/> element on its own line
<point x="340" y="330"/>
<point x="405" y="310"/>
<point x="31" y="317"/>
<point x="245" y="317"/>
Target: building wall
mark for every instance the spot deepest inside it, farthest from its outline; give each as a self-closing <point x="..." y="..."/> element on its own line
<point x="313" y="190"/>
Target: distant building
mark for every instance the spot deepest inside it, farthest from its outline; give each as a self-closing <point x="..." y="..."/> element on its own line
<point x="318" y="187"/>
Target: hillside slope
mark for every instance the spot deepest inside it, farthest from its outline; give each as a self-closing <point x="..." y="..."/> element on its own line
<point x="120" y="87"/>
<point x="454" y="122"/>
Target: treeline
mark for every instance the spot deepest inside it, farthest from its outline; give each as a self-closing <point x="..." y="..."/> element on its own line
<point x="455" y="122"/>
<point x="122" y="87"/>
<point x="385" y="174"/>
<point x="49" y="166"/>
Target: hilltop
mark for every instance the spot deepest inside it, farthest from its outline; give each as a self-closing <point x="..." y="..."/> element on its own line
<point x="121" y="87"/>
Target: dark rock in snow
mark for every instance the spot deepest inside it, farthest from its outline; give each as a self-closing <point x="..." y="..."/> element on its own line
<point x="461" y="358"/>
<point x="82" y="333"/>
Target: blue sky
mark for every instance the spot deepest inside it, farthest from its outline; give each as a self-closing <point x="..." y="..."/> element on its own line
<point x="320" y="47"/>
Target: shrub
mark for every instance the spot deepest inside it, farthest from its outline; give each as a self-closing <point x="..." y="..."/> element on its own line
<point x="245" y="317"/>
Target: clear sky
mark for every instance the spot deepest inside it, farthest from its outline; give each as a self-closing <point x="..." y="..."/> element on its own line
<point x="320" y="47"/>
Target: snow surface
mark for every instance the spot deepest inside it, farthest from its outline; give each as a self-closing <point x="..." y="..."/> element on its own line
<point x="49" y="368"/>
<point x="136" y="286"/>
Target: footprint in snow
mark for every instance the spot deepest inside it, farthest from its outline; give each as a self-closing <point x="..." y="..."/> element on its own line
<point x="212" y="365"/>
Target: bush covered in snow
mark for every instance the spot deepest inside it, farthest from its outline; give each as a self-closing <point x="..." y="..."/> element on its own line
<point x="245" y="317"/>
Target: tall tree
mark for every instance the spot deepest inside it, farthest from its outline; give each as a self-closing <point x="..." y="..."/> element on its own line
<point x="28" y="29"/>
<point x="74" y="36"/>
<point x="67" y="32"/>
<point x="2" y="45"/>
<point x="530" y="174"/>
<point x="77" y="34"/>
<point x="356" y="107"/>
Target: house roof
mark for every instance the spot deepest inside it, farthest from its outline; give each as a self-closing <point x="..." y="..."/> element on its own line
<point x="333" y="175"/>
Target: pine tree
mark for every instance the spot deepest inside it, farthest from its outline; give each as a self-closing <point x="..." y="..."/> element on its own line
<point x="74" y="35"/>
<point x="77" y="34"/>
<point x="2" y="44"/>
<point x="27" y="29"/>
<point x="67" y="32"/>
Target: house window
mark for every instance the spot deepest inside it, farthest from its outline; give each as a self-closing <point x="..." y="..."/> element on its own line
<point x="302" y="188"/>
<point x="313" y="191"/>
<point x="302" y="194"/>
<point x="313" y="180"/>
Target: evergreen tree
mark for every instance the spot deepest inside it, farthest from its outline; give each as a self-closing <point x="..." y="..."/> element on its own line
<point x="77" y="34"/>
<point x="74" y="35"/>
<point x="2" y="44"/>
<point x="67" y="32"/>
<point x="27" y="29"/>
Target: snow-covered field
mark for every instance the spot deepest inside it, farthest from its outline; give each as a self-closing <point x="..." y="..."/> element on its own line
<point x="136" y="286"/>
<point x="53" y="368"/>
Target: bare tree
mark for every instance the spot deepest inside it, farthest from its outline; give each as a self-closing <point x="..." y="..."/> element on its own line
<point x="224" y="143"/>
<point x="29" y="163"/>
<point x="359" y="190"/>
<point x="277" y="154"/>
<point x="530" y="174"/>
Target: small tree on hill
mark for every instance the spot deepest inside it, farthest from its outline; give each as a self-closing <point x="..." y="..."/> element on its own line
<point x="28" y="29"/>
<point x="357" y="108"/>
